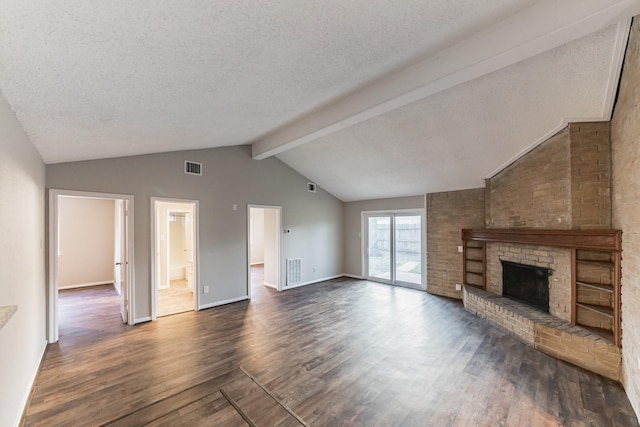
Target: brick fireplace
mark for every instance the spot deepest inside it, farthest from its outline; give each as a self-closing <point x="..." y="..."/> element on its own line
<point x="564" y="183"/>
<point x="562" y="186"/>
<point x="556" y="332"/>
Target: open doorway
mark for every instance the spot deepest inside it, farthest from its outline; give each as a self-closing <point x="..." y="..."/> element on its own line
<point x="263" y="248"/>
<point x="90" y="252"/>
<point x="175" y="256"/>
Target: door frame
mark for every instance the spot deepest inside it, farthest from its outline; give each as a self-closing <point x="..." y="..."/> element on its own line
<point x="196" y="249"/>
<point x="54" y="237"/>
<point x="278" y="242"/>
<point x="364" y="232"/>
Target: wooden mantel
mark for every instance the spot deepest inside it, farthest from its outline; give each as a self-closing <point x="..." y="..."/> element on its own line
<point x="598" y="240"/>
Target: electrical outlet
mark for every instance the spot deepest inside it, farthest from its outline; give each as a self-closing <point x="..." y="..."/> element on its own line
<point x="458" y="287"/>
<point x="460" y="249"/>
<point x="205" y="290"/>
<point x="638" y="362"/>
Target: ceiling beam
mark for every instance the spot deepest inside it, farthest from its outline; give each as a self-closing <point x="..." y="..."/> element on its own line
<point x="544" y="26"/>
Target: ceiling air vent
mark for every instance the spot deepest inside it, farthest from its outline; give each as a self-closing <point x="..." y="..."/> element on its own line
<point x="192" y="168"/>
<point x="311" y="187"/>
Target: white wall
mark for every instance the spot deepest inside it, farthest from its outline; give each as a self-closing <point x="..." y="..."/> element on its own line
<point x="271" y="229"/>
<point x="87" y="242"/>
<point x="256" y="218"/>
<point x="229" y="177"/>
<point x="353" y="224"/>
<point x="22" y="273"/>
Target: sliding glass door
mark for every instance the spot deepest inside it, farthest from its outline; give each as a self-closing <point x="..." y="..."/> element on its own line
<point x="394" y="248"/>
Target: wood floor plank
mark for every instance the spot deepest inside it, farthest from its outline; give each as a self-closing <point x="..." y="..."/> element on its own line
<point x="214" y="406"/>
<point x="343" y="352"/>
<point x="174" y="403"/>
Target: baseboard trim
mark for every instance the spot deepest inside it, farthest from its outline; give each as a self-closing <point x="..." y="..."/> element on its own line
<point x="353" y="276"/>
<point x="141" y="320"/>
<point x="86" y="285"/>
<point x="224" y="302"/>
<point x="27" y="399"/>
<point x="270" y="285"/>
<point x="257" y="263"/>
<point x="324" y="279"/>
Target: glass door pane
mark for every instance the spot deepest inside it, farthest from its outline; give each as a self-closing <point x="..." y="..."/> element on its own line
<point x="379" y="247"/>
<point x="408" y="249"/>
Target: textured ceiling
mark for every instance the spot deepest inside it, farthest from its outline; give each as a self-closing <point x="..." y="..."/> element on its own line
<point x="96" y="79"/>
<point x="93" y="79"/>
<point x="454" y="139"/>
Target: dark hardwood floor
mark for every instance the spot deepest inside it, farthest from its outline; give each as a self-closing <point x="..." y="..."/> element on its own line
<point x="344" y="352"/>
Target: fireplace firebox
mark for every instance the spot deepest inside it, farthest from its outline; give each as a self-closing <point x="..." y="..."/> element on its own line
<point x="526" y="283"/>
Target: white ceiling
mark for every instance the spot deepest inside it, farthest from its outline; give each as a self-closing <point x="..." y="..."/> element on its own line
<point x="369" y="98"/>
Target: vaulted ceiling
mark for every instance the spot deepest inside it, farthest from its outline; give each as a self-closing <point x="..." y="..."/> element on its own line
<point x="368" y="98"/>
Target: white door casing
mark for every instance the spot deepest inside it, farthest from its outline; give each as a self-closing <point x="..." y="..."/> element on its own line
<point x="160" y="218"/>
<point x="277" y="248"/>
<point x="127" y="274"/>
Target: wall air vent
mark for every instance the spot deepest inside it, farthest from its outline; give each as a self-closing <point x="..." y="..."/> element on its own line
<point x="294" y="273"/>
<point x="311" y="187"/>
<point x="192" y="168"/>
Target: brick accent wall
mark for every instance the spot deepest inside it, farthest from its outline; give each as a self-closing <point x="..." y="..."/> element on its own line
<point x="557" y="259"/>
<point x="534" y="191"/>
<point x="625" y="139"/>
<point x="563" y="183"/>
<point x="447" y="214"/>
<point x="590" y="175"/>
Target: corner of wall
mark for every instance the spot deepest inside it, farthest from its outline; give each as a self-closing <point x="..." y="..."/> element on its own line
<point x="625" y="143"/>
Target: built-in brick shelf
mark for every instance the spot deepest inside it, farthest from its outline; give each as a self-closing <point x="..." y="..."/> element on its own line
<point x="546" y="333"/>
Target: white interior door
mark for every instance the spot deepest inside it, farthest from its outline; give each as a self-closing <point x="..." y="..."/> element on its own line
<point x="117" y="246"/>
<point x="189" y="238"/>
<point x="167" y="251"/>
<point x="122" y="266"/>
